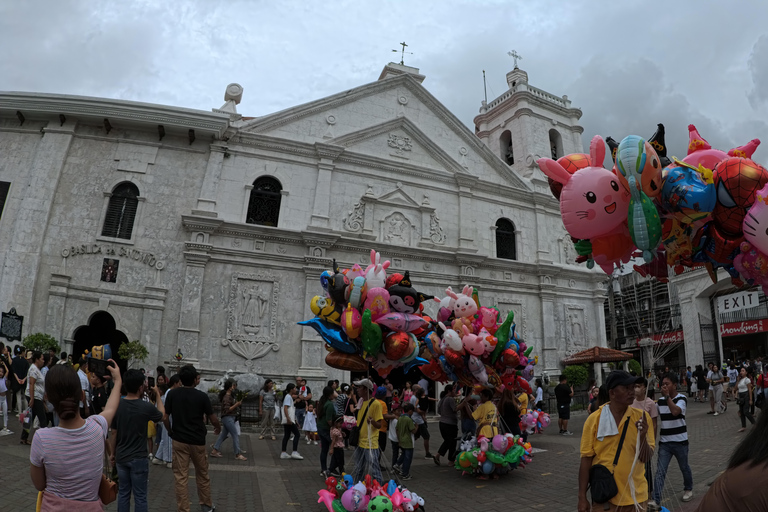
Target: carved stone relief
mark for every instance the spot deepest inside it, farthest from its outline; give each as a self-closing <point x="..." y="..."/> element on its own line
<point x="252" y="315"/>
<point x="576" y="328"/>
<point x="400" y="144"/>
<point x="356" y="217"/>
<point x="396" y="229"/>
<point x="436" y="234"/>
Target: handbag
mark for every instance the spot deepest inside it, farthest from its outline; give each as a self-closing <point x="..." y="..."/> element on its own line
<point x="354" y="436"/>
<point x="107" y="488"/>
<point x="348" y="422"/>
<point x="601" y="482"/>
<point x="760" y="400"/>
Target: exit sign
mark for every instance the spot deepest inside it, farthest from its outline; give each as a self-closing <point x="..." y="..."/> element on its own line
<point x="737" y="301"/>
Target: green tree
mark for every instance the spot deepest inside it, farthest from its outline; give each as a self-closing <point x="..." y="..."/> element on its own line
<point x="576" y="374"/>
<point x="635" y="367"/>
<point x="133" y="352"/>
<point x="41" y="342"/>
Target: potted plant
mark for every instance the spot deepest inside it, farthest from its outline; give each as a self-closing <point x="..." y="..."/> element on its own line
<point x="133" y="352"/>
<point x="41" y="342"/>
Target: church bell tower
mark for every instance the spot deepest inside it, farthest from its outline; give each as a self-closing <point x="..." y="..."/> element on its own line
<point x="526" y="123"/>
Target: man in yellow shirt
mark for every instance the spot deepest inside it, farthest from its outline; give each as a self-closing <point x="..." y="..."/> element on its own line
<point x="486" y="415"/>
<point x="369" y="419"/>
<point x="600" y="441"/>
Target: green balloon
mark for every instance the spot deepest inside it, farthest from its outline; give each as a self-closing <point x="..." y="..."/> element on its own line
<point x="494" y="457"/>
<point x="528" y="351"/>
<point x="338" y="507"/>
<point x="371" y="335"/>
<point x="502" y="334"/>
<point x="514" y="454"/>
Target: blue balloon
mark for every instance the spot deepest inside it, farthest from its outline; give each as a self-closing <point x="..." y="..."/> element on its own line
<point x="332" y="334"/>
<point x="391" y="487"/>
<point x="448" y="369"/>
<point x="687" y="195"/>
<point x="415" y="362"/>
<point x="348" y="481"/>
<point x="487" y="468"/>
<point x="325" y="278"/>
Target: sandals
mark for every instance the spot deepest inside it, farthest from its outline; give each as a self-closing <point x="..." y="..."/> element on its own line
<point x="25" y="442"/>
<point x="239" y="456"/>
<point x="216" y="454"/>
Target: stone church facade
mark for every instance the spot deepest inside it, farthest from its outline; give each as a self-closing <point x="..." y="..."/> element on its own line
<point x="206" y="232"/>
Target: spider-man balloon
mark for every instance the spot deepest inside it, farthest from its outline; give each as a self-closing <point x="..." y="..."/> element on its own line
<point x="736" y="181"/>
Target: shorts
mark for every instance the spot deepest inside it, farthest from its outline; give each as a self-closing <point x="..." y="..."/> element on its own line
<point x="423" y="431"/>
<point x="564" y="411"/>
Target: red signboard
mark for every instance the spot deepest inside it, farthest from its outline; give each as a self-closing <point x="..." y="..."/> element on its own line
<point x="667" y="337"/>
<point x="746" y="327"/>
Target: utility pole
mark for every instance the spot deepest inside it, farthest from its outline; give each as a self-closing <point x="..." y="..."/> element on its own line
<point x="612" y="311"/>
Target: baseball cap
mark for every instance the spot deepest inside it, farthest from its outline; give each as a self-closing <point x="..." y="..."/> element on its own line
<point x="364" y="382"/>
<point x="381" y="392"/>
<point x="620" y="378"/>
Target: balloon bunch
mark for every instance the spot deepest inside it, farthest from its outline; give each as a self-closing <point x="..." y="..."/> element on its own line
<point x="343" y="495"/>
<point x="534" y="421"/>
<point x="367" y="317"/>
<point x="681" y="213"/>
<point x="485" y="456"/>
<point x="752" y="261"/>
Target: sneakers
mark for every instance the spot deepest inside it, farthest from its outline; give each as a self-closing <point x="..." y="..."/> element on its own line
<point x="325" y="474"/>
<point x="653" y="506"/>
<point x="5" y="432"/>
<point x="397" y="469"/>
<point x="261" y="437"/>
<point x="406" y="477"/>
<point x="206" y="508"/>
<point x="437" y="461"/>
<point x="309" y="441"/>
<point x="567" y="433"/>
<point x="716" y="414"/>
<point x="151" y="456"/>
<point x="157" y="461"/>
<point x="295" y="455"/>
<point x="314" y="442"/>
<point x="561" y="432"/>
<point x="687" y="495"/>
<point x="284" y="456"/>
<point x="334" y="474"/>
<point x="711" y="412"/>
<point x="429" y="456"/>
<point x="169" y="465"/>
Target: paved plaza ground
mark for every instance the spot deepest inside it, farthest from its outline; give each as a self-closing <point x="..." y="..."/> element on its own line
<point x="267" y="483"/>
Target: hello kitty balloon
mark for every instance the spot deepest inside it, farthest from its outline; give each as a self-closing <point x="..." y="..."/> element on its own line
<point x="594" y="206"/>
<point x="752" y="261"/>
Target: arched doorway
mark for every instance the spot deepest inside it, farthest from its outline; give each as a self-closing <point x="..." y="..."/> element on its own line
<point x="101" y="330"/>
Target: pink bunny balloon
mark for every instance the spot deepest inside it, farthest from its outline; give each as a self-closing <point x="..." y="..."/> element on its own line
<point x="472" y="343"/>
<point x="376" y="272"/>
<point x="451" y="339"/>
<point x="465" y="305"/>
<point x="594" y="206"/>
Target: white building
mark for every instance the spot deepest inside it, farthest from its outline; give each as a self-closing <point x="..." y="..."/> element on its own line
<point x="207" y="231"/>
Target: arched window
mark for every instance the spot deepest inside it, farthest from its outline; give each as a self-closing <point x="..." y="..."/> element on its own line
<point x="121" y="211"/>
<point x="555" y="144"/>
<point x="264" y="204"/>
<point x="505" y="240"/>
<point x="505" y="145"/>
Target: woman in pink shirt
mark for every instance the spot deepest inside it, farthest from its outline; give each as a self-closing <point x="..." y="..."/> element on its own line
<point x="70" y="478"/>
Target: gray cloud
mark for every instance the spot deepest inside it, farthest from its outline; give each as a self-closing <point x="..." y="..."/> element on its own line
<point x="627" y="65"/>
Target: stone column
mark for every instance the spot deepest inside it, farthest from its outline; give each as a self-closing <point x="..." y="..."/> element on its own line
<point x="321" y="206"/>
<point x="32" y="198"/>
<point x="189" y="316"/>
<point x="543" y="243"/>
<point x="152" y="321"/>
<point x="549" y="356"/>
<point x="312" y="345"/>
<point x="206" y="203"/>
<point x="57" y="300"/>
<point x="694" y="352"/>
<point x="466" y="214"/>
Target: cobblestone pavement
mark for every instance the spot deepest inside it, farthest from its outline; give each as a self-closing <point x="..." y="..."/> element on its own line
<point x="267" y="483"/>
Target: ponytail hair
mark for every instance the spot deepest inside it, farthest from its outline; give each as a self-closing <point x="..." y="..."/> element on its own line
<point x="62" y="386"/>
<point x="227" y="385"/>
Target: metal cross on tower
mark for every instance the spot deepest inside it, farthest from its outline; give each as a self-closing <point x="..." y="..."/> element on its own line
<point x="515" y="56"/>
<point x="402" y="53"/>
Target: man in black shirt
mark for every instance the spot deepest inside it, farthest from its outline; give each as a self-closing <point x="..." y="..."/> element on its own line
<point x="20" y="368"/>
<point x="184" y="409"/>
<point x="563" y="393"/>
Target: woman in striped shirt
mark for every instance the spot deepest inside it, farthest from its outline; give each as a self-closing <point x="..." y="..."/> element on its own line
<point x="71" y="477"/>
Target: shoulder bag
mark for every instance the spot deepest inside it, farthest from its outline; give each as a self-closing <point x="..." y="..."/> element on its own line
<point x="354" y="436"/>
<point x="601" y="482"/>
<point x="348" y="421"/>
<point x="107" y="487"/>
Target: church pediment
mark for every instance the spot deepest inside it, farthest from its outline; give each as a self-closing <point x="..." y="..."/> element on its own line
<point x="440" y="142"/>
<point x="399" y="140"/>
<point x="398" y="197"/>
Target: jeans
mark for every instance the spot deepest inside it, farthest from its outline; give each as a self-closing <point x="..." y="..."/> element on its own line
<point x="337" y="461"/>
<point x="133" y="476"/>
<point x="300" y="414"/>
<point x="227" y="429"/>
<point x="406" y="457"/>
<point x="182" y="454"/>
<point x="4" y="406"/>
<point x="325" y="444"/>
<point x="449" y="434"/>
<point x="666" y="451"/>
<point x="395" y="451"/>
<point x="21" y="401"/>
<point x="287" y="431"/>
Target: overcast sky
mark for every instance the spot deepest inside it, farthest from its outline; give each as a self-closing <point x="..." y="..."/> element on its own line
<point x="628" y="65"/>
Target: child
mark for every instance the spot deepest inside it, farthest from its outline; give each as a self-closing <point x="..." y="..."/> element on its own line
<point x="310" y="425"/>
<point x="337" y="443"/>
<point x="392" y="433"/>
<point x="395" y="399"/>
<point x="405" y="430"/>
